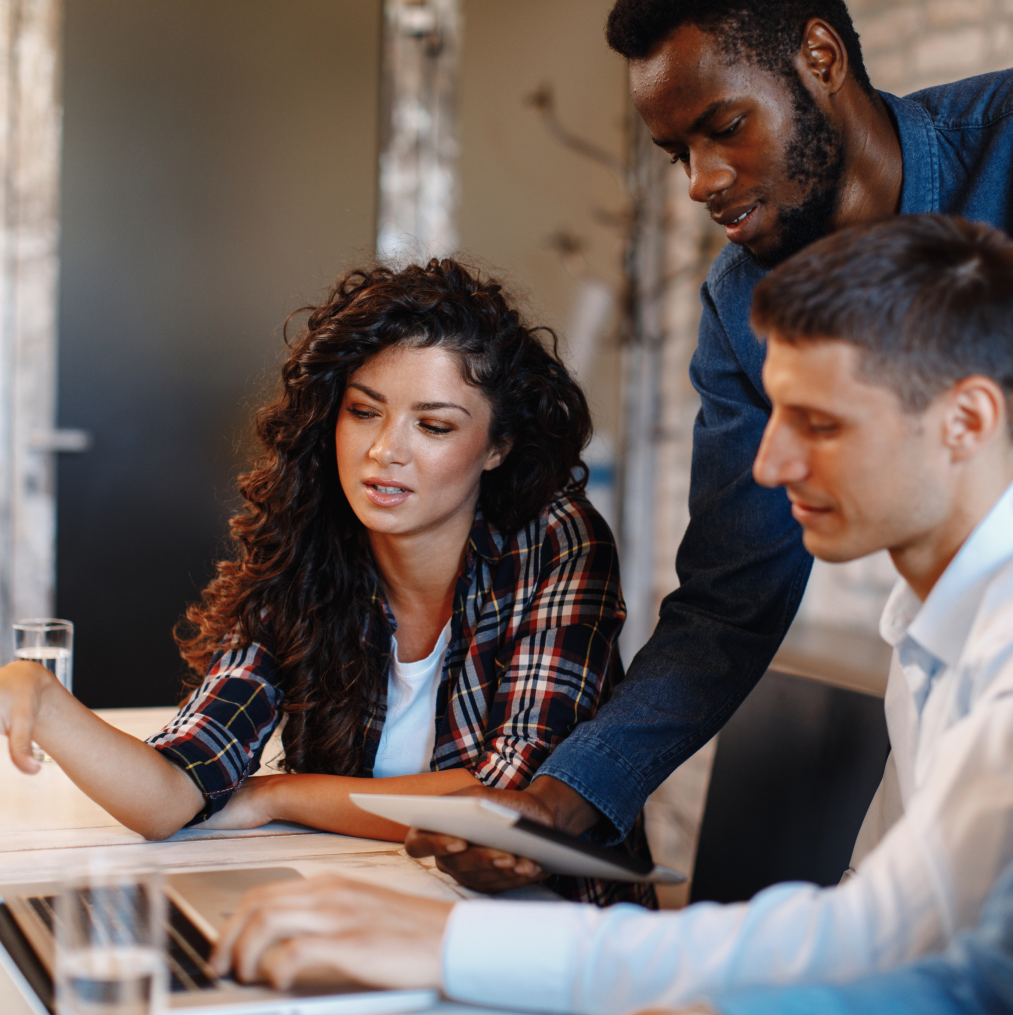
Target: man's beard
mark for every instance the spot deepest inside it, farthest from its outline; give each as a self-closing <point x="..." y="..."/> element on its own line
<point x="813" y="157"/>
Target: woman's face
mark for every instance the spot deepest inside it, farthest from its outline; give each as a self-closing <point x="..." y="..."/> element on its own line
<point x="412" y="442"/>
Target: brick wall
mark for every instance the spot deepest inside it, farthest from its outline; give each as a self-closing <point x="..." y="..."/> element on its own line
<point x="912" y="44"/>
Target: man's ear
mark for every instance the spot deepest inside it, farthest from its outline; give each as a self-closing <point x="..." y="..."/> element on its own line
<point x="497" y="455"/>
<point x="975" y="412"/>
<point x="823" y="57"/>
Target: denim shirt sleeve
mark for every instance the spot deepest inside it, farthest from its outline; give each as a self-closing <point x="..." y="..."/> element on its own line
<point x="742" y="571"/>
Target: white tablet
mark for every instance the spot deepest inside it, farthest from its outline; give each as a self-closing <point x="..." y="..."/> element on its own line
<point x="489" y="824"/>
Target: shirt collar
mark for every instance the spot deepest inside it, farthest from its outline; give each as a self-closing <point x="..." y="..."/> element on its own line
<point x="485" y="540"/>
<point x="942" y="623"/>
<point x="919" y="148"/>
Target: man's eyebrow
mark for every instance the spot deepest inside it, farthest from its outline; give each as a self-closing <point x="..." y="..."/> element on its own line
<point x="700" y="122"/>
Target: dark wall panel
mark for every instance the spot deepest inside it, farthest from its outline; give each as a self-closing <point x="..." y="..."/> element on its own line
<point x="795" y="770"/>
<point x="219" y="168"/>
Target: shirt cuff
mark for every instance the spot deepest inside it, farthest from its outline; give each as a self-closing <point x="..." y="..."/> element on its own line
<point x="514" y="954"/>
<point x="182" y="759"/>
<point x="604" y="778"/>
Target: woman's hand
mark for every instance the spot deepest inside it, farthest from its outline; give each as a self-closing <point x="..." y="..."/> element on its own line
<point x="127" y="777"/>
<point x="356" y="932"/>
<point x="249" y="807"/>
<point x="25" y="688"/>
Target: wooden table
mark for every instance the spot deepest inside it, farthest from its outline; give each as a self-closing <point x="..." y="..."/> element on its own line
<point x="47" y="825"/>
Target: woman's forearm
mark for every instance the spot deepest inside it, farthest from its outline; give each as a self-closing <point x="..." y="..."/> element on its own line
<point x="126" y="776"/>
<point x="322" y="801"/>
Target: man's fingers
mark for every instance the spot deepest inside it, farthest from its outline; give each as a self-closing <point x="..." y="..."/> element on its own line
<point x="479" y="859"/>
<point x="524" y="803"/>
<point x="485" y="877"/>
<point x="271" y="912"/>
<point x="419" y="843"/>
<point x="327" y="926"/>
<point x="269" y="926"/>
<point x="251" y="911"/>
<point x="476" y="867"/>
<point x="282" y="965"/>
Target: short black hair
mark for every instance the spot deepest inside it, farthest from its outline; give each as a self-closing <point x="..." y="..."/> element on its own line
<point x="927" y="299"/>
<point x="766" y="32"/>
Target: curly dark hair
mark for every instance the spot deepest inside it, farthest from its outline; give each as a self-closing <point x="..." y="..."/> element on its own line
<point x="302" y="580"/>
<point x="766" y="32"/>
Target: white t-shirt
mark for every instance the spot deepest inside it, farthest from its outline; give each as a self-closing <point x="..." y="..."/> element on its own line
<point x="409" y="728"/>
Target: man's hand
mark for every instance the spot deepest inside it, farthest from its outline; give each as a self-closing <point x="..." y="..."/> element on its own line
<point x="546" y="800"/>
<point x="354" y="932"/>
<point x="24" y="687"/>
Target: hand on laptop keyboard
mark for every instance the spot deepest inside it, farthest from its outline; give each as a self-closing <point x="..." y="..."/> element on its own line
<point x="363" y="934"/>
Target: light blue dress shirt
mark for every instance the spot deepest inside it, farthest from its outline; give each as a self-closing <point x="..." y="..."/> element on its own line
<point x="973" y="977"/>
<point x="950" y="714"/>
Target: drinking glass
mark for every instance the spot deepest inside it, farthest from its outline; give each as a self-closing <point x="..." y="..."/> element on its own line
<point x="110" y="943"/>
<point x="50" y="642"/>
<point x="47" y="641"/>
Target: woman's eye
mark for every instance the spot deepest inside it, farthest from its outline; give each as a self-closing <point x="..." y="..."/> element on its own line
<point x="361" y="413"/>
<point x="435" y="428"/>
<point x="682" y="157"/>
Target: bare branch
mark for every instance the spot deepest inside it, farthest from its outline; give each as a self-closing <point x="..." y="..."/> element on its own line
<point x="544" y="100"/>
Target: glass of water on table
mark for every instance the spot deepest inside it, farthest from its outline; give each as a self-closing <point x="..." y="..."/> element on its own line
<point x="110" y="942"/>
<point x="50" y="642"/>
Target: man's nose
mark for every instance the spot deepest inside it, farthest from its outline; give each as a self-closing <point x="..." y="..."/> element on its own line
<point x="779" y="461"/>
<point x="708" y="177"/>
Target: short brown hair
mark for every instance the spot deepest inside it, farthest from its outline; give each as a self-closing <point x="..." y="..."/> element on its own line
<point x="928" y="299"/>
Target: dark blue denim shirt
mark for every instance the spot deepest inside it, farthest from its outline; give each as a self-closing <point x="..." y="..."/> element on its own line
<point x="742" y="566"/>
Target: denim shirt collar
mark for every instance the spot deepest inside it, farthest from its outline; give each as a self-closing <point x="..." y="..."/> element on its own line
<point x="919" y="148"/>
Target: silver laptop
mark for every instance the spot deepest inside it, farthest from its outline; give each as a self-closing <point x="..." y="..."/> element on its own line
<point x="199" y="903"/>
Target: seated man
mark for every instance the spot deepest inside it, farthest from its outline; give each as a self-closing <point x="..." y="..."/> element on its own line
<point x="890" y="370"/>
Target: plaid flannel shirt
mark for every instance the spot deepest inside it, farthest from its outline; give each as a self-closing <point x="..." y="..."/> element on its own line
<point x="533" y="652"/>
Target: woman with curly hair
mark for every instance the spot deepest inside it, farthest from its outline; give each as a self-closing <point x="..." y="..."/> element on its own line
<point x="419" y="588"/>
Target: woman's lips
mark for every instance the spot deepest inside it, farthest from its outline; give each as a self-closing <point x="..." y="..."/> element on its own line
<point x="386" y="494"/>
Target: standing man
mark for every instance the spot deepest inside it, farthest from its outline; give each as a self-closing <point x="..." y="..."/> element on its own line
<point x="769" y="111"/>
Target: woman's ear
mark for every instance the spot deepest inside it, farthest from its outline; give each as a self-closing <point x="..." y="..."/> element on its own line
<point x="497" y="455"/>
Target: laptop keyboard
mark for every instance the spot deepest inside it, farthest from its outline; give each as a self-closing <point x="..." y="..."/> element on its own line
<point x="187" y="952"/>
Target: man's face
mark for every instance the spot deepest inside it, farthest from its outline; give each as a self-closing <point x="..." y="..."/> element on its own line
<point x="758" y="150"/>
<point x="862" y="474"/>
